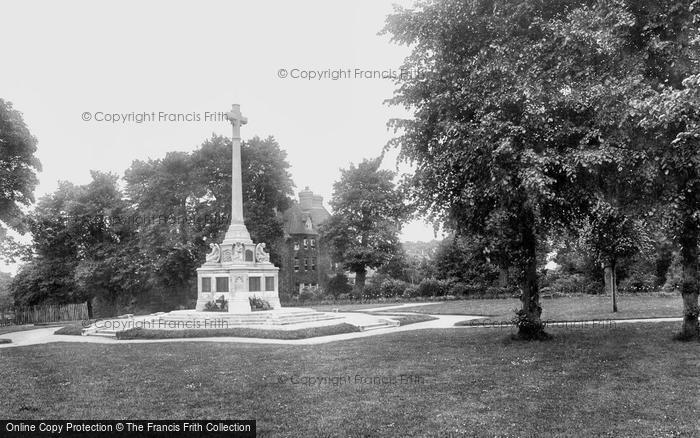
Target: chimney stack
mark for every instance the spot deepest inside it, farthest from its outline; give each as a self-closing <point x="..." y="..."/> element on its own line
<point x="306" y="199"/>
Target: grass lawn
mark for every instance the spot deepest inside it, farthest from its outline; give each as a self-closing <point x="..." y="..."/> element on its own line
<point x="628" y="381"/>
<point x="242" y="332"/>
<point x="354" y="307"/>
<point x="564" y="309"/>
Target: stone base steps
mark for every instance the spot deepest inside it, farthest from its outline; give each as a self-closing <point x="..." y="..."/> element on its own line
<point x="253" y="318"/>
<point x="189" y="319"/>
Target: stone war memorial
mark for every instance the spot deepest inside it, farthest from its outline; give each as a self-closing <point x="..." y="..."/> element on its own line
<point x="237" y="270"/>
<point x="237" y="286"/>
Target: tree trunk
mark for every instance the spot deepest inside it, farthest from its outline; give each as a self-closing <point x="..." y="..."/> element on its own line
<point x="503" y="276"/>
<point x="689" y="285"/>
<point x="529" y="323"/>
<point x="360" y="277"/>
<point x="610" y="278"/>
<point x="614" y="288"/>
<point x="89" y="308"/>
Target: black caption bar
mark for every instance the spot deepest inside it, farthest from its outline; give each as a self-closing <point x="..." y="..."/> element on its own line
<point x="128" y="428"/>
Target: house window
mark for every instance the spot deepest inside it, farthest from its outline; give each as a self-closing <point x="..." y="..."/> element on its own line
<point x="222" y="284"/>
<point x="254" y="284"/>
<point x="296" y="264"/>
<point x="306" y="264"/>
<point x="313" y="243"/>
<point x="306" y="243"/>
<point x="296" y="246"/>
<point x="206" y="284"/>
<point x="313" y="263"/>
<point x="269" y="284"/>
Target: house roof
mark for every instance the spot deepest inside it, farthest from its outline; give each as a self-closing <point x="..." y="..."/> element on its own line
<point x="296" y="216"/>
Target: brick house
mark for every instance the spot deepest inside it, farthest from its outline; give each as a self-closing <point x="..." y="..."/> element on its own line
<point x="306" y="261"/>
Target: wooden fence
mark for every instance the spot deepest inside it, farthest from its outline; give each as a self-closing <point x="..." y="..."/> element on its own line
<point x="44" y="314"/>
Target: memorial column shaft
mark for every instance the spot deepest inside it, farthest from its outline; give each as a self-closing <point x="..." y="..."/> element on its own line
<point x="236" y="176"/>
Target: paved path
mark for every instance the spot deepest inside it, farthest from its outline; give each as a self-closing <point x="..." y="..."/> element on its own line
<point x="45" y="335"/>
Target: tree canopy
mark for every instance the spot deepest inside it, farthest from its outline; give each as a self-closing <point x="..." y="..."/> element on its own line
<point x="142" y="243"/>
<point x="18" y="166"/>
<point x="368" y="213"/>
<point x="520" y="107"/>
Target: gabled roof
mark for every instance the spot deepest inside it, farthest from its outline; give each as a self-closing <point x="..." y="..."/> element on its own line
<point x="295" y="219"/>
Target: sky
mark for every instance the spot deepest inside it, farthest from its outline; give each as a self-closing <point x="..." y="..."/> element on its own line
<point x="84" y="73"/>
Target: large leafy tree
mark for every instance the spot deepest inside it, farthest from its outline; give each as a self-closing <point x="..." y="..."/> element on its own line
<point x="368" y="213"/>
<point x="492" y="139"/>
<point x="613" y="236"/>
<point x="185" y="201"/>
<point x="672" y="116"/>
<point x="161" y="193"/>
<point x="80" y="250"/>
<point x="462" y="258"/>
<point x="47" y="275"/>
<point x="5" y="296"/>
<point x="666" y="38"/>
<point x="18" y="167"/>
<point x="267" y="188"/>
<point x="267" y="191"/>
<point x="110" y="265"/>
<point x="519" y="106"/>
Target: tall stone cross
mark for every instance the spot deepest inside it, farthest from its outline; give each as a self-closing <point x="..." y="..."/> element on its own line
<point x="236" y="118"/>
<point x="237" y="230"/>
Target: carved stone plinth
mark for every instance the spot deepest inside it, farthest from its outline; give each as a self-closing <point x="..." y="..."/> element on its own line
<point x="242" y="271"/>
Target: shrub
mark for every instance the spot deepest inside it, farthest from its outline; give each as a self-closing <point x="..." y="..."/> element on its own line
<point x="411" y="292"/>
<point x="639" y="282"/>
<point x="431" y="287"/>
<point x="220" y="305"/>
<point x="338" y="285"/>
<point x="346" y="296"/>
<point x="257" y="303"/>
<point x="570" y="284"/>
<point x="674" y="276"/>
<point x="306" y="294"/>
<point x="459" y="289"/>
<point x="595" y="288"/>
<point x="371" y="290"/>
<point x="505" y="291"/>
<point x="392" y="288"/>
